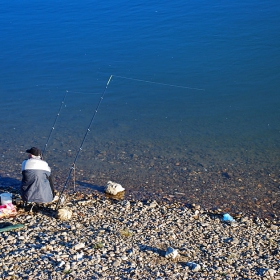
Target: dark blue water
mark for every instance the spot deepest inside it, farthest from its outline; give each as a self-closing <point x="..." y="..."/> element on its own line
<point x="192" y="109"/>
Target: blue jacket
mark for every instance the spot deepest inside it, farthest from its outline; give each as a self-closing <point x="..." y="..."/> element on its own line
<point x="35" y="185"/>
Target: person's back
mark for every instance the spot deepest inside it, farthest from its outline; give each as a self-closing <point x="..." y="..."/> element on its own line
<point x="35" y="185"/>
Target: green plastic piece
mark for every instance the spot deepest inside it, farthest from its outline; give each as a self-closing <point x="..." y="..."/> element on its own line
<point x="8" y="228"/>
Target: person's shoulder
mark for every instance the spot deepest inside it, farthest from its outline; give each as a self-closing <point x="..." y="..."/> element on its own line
<point x="34" y="163"/>
<point x="44" y="163"/>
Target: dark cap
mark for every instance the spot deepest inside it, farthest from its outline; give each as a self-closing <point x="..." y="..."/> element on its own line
<point x="34" y="151"/>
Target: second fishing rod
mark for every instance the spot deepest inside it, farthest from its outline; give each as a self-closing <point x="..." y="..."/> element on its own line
<point x="53" y="126"/>
<point x="82" y="143"/>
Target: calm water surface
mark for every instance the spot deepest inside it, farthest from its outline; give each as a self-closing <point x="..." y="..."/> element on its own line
<point x="191" y="112"/>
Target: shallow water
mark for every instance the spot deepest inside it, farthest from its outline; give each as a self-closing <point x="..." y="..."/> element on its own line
<point x="191" y="112"/>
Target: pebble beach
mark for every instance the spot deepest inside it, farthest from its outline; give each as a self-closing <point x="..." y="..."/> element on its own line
<point x="107" y="238"/>
<point x="176" y="101"/>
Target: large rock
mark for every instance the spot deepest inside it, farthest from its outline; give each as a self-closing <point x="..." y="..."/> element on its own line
<point x="113" y="188"/>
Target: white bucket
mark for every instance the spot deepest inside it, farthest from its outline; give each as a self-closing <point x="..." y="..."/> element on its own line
<point x="6" y="198"/>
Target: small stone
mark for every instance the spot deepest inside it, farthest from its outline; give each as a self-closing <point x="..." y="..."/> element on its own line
<point x="61" y="264"/>
<point x="74" y="266"/>
<point x="79" y="257"/>
<point x="153" y="204"/>
<point x="125" y="204"/>
<point x="79" y="246"/>
<point x="273" y="227"/>
<point x="171" y="253"/>
<point x="117" y="263"/>
<point x="67" y="268"/>
<point x="271" y="272"/>
<point x="235" y="241"/>
<point x="10" y="238"/>
<point x="194" y="266"/>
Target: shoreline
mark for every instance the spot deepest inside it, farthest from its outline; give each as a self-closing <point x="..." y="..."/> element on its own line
<point x="158" y="197"/>
<point x="129" y="239"/>
<point x="247" y="184"/>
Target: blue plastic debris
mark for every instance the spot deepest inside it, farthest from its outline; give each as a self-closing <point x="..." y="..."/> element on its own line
<point x="227" y="218"/>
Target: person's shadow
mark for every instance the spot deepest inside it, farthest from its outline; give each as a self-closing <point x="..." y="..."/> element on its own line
<point x="8" y="184"/>
<point x="12" y="185"/>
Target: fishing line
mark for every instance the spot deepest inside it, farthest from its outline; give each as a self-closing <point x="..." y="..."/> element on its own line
<point x="77" y="155"/>
<point x="151" y="82"/>
<point x="139" y="80"/>
<point x="89" y="93"/>
<point x="52" y="129"/>
<point x="93" y="117"/>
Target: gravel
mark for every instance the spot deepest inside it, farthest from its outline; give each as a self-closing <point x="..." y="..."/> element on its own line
<point x="132" y="239"/>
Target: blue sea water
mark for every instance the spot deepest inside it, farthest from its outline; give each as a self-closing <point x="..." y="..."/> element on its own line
<point x="194" y="83"/>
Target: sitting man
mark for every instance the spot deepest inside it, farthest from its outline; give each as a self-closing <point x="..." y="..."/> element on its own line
<point x="36" y="184"/>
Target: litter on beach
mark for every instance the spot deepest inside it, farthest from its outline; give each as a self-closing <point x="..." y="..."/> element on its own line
<point x="7" y="210"/>
<point x="11" y="227"/>
<point x="228" y="218"/>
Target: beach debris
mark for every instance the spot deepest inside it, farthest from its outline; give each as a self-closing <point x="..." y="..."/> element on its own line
<point x="7" y="210"/>
<point x="193" y="266"/>
<point x="64" y="214"/>
<point x="97" y="243"/>
<point x="113" y="188"/>
<point x="5" y="198"/>
<point x="171" y="253"/>
<point x="12" y="227"/>
<point x="227" y="218"/>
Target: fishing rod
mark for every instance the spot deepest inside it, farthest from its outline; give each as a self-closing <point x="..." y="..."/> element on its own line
<point x="87" y="131"/>
<point x="52" y="129"/>
<point x="46" y="145"/>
